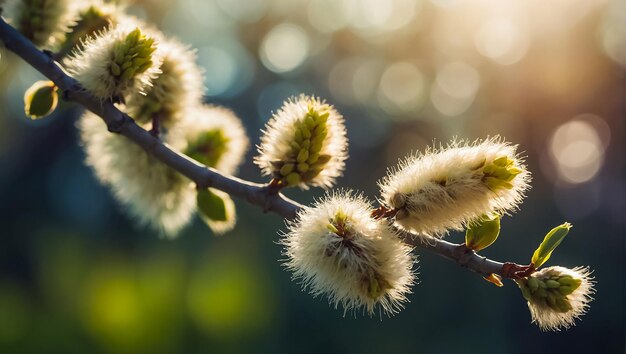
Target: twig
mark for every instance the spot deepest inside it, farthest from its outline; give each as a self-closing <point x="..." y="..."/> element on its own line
<point x="261" y="195"/>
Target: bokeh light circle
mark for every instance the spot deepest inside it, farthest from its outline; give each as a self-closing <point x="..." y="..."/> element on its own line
<point x="577" y="151"/>
<point x="502" y="41"/>
<point x="284" y="48"/>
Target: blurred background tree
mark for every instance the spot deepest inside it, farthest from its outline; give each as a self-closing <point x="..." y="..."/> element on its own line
<point x="76" y="275"/>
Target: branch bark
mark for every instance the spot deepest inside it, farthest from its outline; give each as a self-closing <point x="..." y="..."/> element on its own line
<point x="257" y="194"/>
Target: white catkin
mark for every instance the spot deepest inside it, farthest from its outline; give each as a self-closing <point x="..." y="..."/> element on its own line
<point x="178" y="88"/>
<point x="548" y="319"/>
<point x="91" y="65"/>
<point x="153" y="193"/>
<point x="280" y="131"/>
<point x="203" y="118"/>
<point x="441" y="189"/>
<point x="342" y="268"/>
<point x="113" y="11"/>
<point x="56" y="19"/>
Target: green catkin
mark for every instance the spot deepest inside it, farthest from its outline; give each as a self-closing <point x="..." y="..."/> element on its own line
<point x="304" y="162"/>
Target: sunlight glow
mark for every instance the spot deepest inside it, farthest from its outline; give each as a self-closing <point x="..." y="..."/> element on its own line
<point x="455" y="88"/>
<point x="502" y="41"/>
<point x="284" y="48"/>
<point x="577" y="151"/>
<point x="401" y="88"/>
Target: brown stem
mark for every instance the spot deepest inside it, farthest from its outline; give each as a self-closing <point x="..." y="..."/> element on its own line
<point x="156" y="126"/>
<point x="383" y="212"/>
<point x="275" y="185"/>
<point x="517" y="271"/>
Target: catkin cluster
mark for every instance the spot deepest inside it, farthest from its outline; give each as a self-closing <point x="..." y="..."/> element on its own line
<point x="340" y="246"/>
<point x="155" y="79"/>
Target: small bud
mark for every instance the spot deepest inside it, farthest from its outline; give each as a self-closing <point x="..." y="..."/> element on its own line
<point x="286" y="169"/>
<point x="40" y="99"/>
<point x="337" y="249"/>
<point x="303" y="167"/>
<point x="309" y="134"/>
<point x="533" y="284"/>
<point x="313" y="158"/>
<point x="210" y="205"/>
<point x="494" y="279"/>
<point x="293" y="179"/>
<point x="502" y="161"/>
<point x="482" y="232"/>
<point x="553" y="306"/>
<point x="303" y="155"/>
<point x="551" y="284"/>
<point x="216" y="209"/>
<point x="550" y="242"/>
<point x="500" y="172"/>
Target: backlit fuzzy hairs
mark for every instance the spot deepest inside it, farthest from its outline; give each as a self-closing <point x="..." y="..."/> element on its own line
<point x="44" y="22"/>
<point x="215" y="137"/>
<point x="337" y="249"/>
<point x="445" y="189"/>
<point x="92" y="17"/>
<point x="116" y="61"/>
<point x="557" y="296"/>
<point x="177" y="88"/>
<point x="304" y="144"/>
<point x="154" y="194"/>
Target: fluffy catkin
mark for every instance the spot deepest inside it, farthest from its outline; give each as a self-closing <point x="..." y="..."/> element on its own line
<point x="336" y="248"/>
<point x="215" y="137"/>
<point x="557" y="296"/>
<point x="178" y="87"/>
<point x="304" y="144"/>
<point x="116" y="61"/>
<point x="444" y="189"/>
<point x="152" y="192"/>
<point x="93" y="16"/>
<point x="44" y="22"/>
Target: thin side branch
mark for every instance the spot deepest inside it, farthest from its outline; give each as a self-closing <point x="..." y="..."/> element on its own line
<point x="261" y="195"/>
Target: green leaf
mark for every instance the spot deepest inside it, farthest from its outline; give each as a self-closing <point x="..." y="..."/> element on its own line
<point x="549" y="244"/>
<point x="40" y="99"/>
<point x="211" y="205"/>
<point x="482" y="232"/>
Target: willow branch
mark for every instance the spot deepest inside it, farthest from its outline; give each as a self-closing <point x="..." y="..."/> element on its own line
<point x="260" y="195"/>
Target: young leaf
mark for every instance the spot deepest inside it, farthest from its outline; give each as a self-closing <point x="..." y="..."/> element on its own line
<point x="494" y="279"/>
<point x="211" y="205"/>
<point x="550" y="242"/>
<point x="40" y="99"/>
<point x="482" y="232"/>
